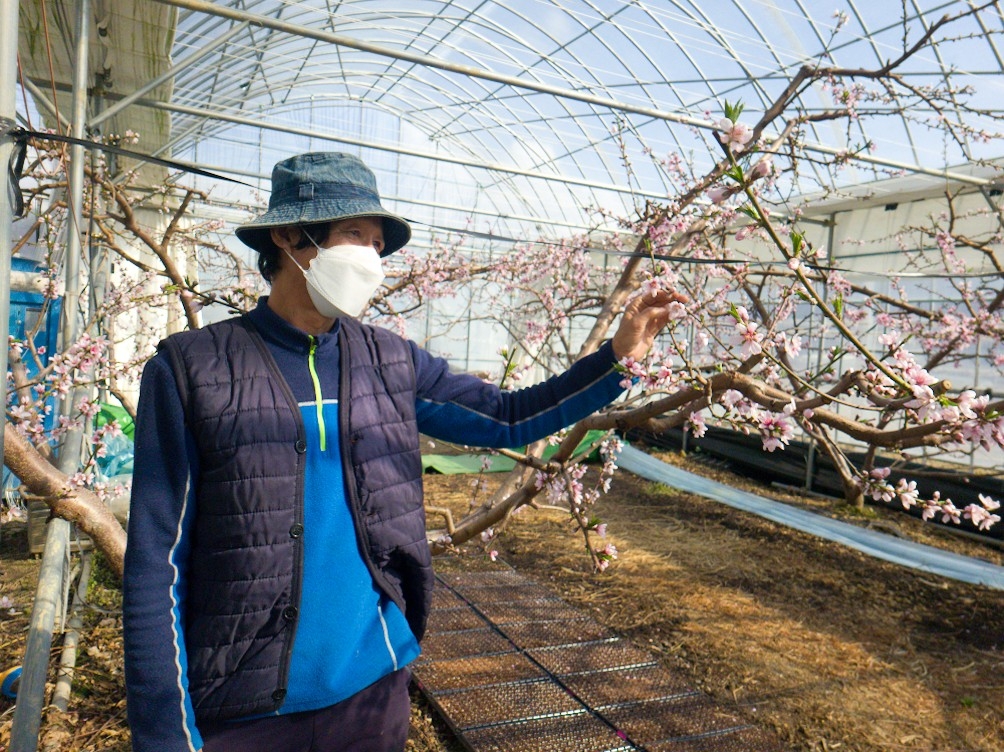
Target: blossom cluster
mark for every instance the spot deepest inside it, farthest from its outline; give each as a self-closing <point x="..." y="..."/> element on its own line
<point x="875" y="484"/>
<point x="30" y="407"/>
<point x="750" y="338"/>
<point x="776" y="428"/>
<point x="567" y="488"/>
<point x="968" y="417"/>
<point x="652" y="373"/>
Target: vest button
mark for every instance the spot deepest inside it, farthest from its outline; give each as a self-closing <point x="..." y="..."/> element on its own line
<point x="300" y="446"/>
<point x="289" y="613"/>
<point x="296" y="531"/>
<point x="279" y="695"/>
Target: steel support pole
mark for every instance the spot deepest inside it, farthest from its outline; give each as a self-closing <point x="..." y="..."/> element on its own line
<point x="8" y="112"/>
<point x="51" y="594"/>
<point x="48" y="605"/>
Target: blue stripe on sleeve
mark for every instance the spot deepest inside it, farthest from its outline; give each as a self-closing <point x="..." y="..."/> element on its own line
<point x="161" y="517"/>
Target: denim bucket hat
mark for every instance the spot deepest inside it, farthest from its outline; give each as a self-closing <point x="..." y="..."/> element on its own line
<point x="322" y="187"/>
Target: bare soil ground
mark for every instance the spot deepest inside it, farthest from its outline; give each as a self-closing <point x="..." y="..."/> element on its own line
<point x="831" y="649"/>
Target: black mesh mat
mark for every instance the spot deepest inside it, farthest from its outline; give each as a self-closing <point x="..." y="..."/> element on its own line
<point x="580" y="733"/>
<point x="513" y="668"/>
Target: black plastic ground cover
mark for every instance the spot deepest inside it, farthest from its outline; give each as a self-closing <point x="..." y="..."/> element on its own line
<point x="513" y="668"/>
<point x="745" y="456"/>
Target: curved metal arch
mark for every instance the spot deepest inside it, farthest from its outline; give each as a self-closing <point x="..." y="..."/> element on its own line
<point x="576" y="138"/>
<point x="540" y="57"/>
<point x="455" y="82"/>
<point x="599" y="113"/>
<point x="523" y="174"/>
<point x="548" y="58"/>
<point x="878" y="58"/>
<point x="965" y="146"/>
<point x="869" y="36"/>
<point x="494" y="94"/>
<point x="652" y="62"/>
<point x="705" y="23"/>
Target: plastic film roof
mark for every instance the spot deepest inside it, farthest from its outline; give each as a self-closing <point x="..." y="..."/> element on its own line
<point x="526" y="116"/>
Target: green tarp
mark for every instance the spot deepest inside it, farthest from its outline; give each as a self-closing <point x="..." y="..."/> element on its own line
<point x="461" y="464"/>
<point x="109" y="412"/>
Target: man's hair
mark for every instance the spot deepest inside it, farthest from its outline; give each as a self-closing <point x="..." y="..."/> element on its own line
<point x="268" y="258"/>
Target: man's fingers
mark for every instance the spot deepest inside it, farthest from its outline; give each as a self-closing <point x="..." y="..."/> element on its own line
<point x="657" y="299"/>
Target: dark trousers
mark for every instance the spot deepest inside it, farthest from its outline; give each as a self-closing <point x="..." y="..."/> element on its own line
<point x="374" y="720"/>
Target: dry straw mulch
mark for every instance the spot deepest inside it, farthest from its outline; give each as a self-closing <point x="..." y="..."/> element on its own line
<point x="828" y="647"/>
<point x="831" y="649"/>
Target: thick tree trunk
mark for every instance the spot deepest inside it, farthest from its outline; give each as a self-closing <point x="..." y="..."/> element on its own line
<point x="78" y="505"/>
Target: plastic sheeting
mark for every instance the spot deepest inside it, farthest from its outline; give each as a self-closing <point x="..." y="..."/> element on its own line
<point x="881" y="546"/>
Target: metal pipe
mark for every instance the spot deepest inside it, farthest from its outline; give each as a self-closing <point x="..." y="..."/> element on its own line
<point x="43" y="102"/>
<point x="369" y="144"/>
<point x="68" y="659"/>
<point x="215" y="9"/>
<point x="28" y="281"/>
<point x="50" y="595"/>
<point x="580" y="95"/>
<point x="810" y="457"/>
<point x="166" y="76"/>
<point x="70" y="453"/>
<point x="8" y="114"/>
<point x="393" y="198"/>
<point x="44" y="611"/>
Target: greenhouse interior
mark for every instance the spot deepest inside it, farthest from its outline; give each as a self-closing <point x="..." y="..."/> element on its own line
<point x="674" y="270"/>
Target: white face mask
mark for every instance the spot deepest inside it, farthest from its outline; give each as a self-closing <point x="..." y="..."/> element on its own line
<point x="342" y="279"/>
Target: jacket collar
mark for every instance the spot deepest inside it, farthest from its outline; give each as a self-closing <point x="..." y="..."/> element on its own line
<point x="276" y="330"/>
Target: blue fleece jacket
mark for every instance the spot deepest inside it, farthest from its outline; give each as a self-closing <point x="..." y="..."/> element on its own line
<point x="348" y="635"/>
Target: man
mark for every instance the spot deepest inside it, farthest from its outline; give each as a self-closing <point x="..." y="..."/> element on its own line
<point x="278" y="578"/>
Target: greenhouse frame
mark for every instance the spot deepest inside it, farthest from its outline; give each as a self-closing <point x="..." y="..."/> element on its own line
<point x="824" y="187"/>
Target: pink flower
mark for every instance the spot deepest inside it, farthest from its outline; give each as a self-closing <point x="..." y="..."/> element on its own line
<point x="717" y="194"/>
<point x="676" y="310"/>
<point x="980" y="517"/>
<point x="188" y="297"/>
<point x="734" y="135"/>
<point x="696" y="424"/>
<point x="949" y="512"/>
<point x="989" y="504"/>
<point x="749" y="337"/>
<point x="775" y="430"/>
<point x="966" y="402"/>
<point x="907" y="492"/>
<point x="732" y="397"/>
<point x="761" y="169"/>
<point x="745" y="231"/>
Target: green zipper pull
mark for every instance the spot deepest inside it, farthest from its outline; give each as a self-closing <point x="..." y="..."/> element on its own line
<point x="317" y="394"/>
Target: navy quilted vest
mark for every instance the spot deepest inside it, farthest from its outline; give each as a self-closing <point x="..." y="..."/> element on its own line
<point x="245" y="567"/>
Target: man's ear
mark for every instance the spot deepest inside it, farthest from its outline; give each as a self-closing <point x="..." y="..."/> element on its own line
<point x="286" y="237"/>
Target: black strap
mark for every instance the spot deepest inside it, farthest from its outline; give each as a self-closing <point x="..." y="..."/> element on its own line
<point x="14" y="166"/>
<point x="21" y="136"/>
